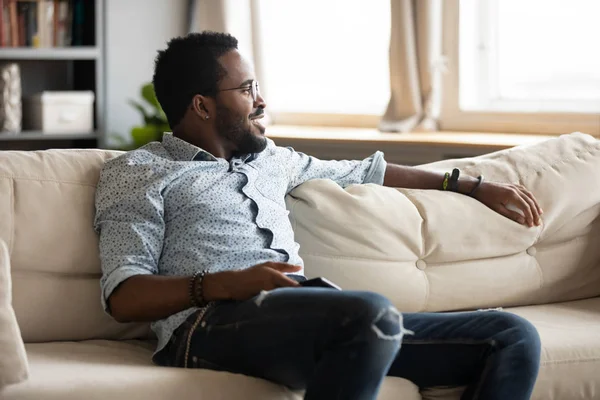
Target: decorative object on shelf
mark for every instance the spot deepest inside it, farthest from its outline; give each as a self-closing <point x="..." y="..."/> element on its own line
<point x="59" y="112"/>
<point x="10" y="98"/>
<point x="155" y="121"/>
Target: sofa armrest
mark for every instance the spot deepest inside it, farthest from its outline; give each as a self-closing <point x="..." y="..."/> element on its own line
<point x="13" y="362"/>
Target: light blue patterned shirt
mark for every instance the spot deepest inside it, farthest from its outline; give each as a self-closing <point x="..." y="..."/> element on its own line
<point x="172" y="209"/>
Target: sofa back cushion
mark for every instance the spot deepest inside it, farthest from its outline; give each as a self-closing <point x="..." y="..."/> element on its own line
<point x="46" y="215"/>
<point x="440" y="251"/>
<point x="13" y="363"/>
<point x="426" y="250"/>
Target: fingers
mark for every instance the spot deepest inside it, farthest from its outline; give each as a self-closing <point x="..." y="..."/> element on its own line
<point x="518" y="200"/>
<point x="510" y="214"/>
<point x="283" y="267"/>
<point x="535" y="212"/>
<point x="284" y="281"/>
<point x="532" y="197"/>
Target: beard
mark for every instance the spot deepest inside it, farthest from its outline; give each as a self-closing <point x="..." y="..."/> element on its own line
<point x="237" y="129"/>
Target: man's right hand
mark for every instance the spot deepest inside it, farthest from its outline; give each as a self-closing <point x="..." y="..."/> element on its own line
<point x="247" y="283"/>
<point x="136" y="298"/>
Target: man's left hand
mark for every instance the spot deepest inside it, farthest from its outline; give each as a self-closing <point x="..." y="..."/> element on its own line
<point x="498" y="196"/>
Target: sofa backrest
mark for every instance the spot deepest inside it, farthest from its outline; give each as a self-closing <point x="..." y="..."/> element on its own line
<point x="440" y="251"/>
<point x="425" y="250"/>
<point x="46" y="215"/>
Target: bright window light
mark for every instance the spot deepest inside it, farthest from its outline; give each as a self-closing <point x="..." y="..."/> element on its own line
<point x="533" y="55"/>
<point x="325" y="56"/>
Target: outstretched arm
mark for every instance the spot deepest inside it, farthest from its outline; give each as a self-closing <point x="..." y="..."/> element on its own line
<point x="497" y="196"/>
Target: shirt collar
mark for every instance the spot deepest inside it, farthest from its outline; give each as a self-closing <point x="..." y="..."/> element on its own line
<point x="181" y="150"/>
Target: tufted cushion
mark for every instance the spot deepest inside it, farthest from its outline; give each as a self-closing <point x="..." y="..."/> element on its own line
<point x="46" y="209"/>
<point x="426" y="250"/>
<point x="439" y="251"/>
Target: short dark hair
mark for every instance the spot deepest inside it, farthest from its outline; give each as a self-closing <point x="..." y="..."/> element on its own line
<point x="187" y="67"/>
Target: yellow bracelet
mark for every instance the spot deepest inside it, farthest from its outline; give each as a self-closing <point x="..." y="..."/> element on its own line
<point x="445" y="183"/>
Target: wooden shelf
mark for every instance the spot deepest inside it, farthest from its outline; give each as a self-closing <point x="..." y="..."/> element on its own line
<point x="35" y="135"/>
<point x="50" y="53"/>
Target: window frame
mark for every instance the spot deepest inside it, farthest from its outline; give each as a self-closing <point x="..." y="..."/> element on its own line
<point x="299" y="118"/>
<point x="453" y="118"/>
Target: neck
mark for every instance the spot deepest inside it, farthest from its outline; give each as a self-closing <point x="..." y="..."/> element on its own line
<point x="207" y="141"/>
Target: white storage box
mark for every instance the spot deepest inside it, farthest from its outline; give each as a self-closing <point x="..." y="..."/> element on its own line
<point x="59" y="112"/>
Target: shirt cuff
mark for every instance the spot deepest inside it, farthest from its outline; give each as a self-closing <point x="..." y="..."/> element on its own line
<point x="116" y="277"/>
<point x="376" y="172"/>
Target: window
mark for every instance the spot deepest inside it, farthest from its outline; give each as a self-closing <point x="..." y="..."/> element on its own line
<point x="530" y="56"/>
<point x="324" y="57"/>
<point x="521" y="66"/>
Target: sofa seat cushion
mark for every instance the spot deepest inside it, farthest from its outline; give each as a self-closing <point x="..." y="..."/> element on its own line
<point x="101" y="369"/>
<point x="570" y="334"/>
<point x="570" y="367"/>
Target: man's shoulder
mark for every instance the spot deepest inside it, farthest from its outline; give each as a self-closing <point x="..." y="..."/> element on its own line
<point x="144" y="155"/>
<point x="136" y="168"/>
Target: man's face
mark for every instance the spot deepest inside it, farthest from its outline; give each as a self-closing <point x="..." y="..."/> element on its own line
<point x="238" y="114"/>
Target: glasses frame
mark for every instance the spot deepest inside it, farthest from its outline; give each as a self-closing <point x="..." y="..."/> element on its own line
<point x="254" y="90"/>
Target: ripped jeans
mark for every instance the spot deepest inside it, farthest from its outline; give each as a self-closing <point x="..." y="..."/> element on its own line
<point x="341" y="345"/>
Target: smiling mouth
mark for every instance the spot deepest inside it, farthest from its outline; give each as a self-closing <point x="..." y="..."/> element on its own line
<point x="257" y="117"/>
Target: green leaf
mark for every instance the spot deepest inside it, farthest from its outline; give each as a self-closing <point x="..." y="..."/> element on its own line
<point x="141" y="109"/>
<point x="163" y="117"/>
<point x="143" y="135"/>
<point x="149" y="95"/>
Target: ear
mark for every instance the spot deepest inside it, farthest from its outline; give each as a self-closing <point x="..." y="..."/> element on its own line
<point x="203" y="106"/>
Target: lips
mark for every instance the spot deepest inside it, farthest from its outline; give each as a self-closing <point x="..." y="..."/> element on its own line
<point x="257" y="117"/>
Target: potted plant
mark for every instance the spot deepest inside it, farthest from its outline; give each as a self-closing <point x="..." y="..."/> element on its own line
<point x="155" y="121"/>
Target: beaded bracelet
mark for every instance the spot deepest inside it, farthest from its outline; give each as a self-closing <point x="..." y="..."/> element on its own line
<point x="196" y="292"/>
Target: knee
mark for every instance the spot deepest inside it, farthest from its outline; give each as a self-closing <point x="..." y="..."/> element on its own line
<point x="376" y="314"/>
<point x="524" y="337"/>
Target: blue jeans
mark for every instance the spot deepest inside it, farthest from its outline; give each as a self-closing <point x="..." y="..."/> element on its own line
<point x="341" y="345"/>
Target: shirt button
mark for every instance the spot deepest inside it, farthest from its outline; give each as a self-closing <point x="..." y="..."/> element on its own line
<point x="421" y="264"/>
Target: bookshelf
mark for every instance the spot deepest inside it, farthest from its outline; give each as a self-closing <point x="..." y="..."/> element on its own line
<point x="79" y="65"/>
<point x="57" y="53"/>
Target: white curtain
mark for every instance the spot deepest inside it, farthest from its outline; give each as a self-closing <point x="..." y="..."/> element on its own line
<point x="230" y="16"/>
<point x="416" y="66"/>
<point x="239" y="18"/>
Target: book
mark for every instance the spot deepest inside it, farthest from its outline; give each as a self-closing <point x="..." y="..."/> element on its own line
<point x="44" y="23"/>
<point x="14" y="28"/>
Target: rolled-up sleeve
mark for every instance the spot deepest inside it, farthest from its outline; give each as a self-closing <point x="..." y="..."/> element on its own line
<point x="129" y="221"/>
<point x="302" y="167"/>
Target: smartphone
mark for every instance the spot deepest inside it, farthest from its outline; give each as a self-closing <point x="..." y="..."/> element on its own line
<point x="320" y="282"/>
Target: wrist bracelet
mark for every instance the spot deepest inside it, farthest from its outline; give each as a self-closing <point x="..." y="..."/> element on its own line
<point x="197" y="289"/>
<point x="453" y="181"/>
<point x="191" y="289"/>
<point x="479" y="182"/>
<point x="445" y="183"/>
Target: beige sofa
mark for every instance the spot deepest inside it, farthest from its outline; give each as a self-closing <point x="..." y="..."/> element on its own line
<point x="425" y="250"/>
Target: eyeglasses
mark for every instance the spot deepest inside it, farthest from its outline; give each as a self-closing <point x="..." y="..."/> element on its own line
<point x="253" y="87"/>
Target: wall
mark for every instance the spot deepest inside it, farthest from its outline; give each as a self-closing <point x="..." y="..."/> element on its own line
<point x="135" y="30"/>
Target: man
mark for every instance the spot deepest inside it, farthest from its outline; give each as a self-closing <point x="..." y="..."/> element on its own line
<point x="194" y="230"/>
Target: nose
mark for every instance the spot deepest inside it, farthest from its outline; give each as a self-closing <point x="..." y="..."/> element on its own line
<point x="260" y="101"/>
